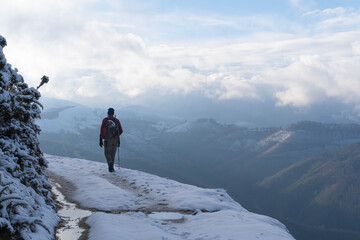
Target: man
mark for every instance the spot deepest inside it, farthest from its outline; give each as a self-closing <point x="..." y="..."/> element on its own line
<point x="110" y="131"/>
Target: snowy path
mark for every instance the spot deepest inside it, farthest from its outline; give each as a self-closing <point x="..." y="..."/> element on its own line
<point x="72" y="225"/>
<point x="126" y="205"/>
<point x="144" y="195"/>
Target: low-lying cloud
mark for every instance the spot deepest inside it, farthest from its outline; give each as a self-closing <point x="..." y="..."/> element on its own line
<point x="102" y="56"/>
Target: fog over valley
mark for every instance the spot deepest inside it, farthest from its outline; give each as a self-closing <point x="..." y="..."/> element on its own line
<point x="264" y="168"/>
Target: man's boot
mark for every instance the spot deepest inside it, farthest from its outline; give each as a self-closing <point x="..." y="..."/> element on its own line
<point x="111" y="167"/>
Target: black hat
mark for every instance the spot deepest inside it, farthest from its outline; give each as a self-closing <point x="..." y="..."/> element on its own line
<point x="111" y="111"/>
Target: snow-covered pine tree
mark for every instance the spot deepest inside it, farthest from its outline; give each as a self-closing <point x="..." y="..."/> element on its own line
<point x="27" y="210"/>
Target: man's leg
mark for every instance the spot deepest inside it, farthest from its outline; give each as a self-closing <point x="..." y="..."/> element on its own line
<point x="108" y="153"/>
<point x="113" y="153"/>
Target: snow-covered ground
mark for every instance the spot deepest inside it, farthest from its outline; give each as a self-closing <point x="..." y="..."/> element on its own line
<point x="130" y="204"/>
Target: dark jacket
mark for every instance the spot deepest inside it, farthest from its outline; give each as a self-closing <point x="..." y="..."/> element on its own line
<point x="103" y="126"/>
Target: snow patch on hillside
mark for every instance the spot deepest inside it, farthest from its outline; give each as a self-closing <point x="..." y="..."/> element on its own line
<point x="60" y="116"/>
<point x="184" y="127"/>
<point x="278" y="137"/>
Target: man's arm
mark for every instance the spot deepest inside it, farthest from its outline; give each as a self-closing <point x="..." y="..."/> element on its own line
<point x="102" y="129"/>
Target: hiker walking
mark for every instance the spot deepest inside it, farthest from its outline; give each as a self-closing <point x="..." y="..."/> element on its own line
<point x="110" y="131"/>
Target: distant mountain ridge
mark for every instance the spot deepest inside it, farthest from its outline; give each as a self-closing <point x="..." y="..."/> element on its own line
<point x="245" y="161"/>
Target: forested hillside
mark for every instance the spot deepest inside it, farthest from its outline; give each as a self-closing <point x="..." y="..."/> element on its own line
<point x="320" y="190"/>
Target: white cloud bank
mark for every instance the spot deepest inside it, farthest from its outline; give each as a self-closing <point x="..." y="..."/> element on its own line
<point x="106" y="53"/>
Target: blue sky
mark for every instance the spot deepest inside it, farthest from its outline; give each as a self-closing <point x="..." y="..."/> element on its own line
<point x="290" y="54"/>
<point x="236" y="7"/>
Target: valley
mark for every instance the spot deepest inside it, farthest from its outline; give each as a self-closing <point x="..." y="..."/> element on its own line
<point x="304" y="174"/>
